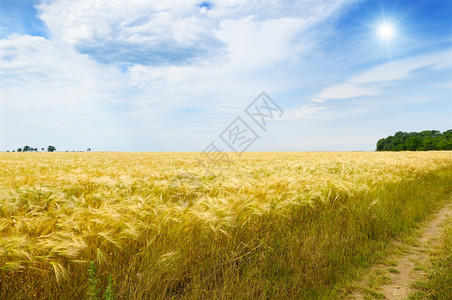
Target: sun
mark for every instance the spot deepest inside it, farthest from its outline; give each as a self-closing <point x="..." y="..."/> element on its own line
<point x="386" y="31"/>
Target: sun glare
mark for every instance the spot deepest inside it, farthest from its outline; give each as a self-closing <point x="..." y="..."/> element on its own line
<point x="386" y="31"/>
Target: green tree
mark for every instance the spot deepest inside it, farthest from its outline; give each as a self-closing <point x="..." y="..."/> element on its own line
<point x="51" y="148"/>
<point x="416" y="141"/>
<point x="427" y="143"/>
<point x="381" y="144"/>
<point x="413" y="143"/>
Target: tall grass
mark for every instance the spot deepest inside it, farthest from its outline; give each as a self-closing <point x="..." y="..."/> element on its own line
<point x="277" y="225"/>
<point x="438" y="282"/>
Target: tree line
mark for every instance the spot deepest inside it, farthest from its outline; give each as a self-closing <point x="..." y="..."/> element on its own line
<point x="50" y="148"/>
<point x="27" y="148"/>
<point x="416" y="141"/>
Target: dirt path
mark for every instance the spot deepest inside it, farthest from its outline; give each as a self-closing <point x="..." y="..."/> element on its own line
<point x="405" y="273"/>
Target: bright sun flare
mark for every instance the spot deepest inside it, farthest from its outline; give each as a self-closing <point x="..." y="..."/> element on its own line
<point x="386" y="31"/>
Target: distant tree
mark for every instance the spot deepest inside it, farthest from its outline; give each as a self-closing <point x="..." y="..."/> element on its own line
<point x="89" y="149"/>
<point x="42" y="149"/>
<point x="427" y="143"/>
<point x="51" y="148"/>
<point x="446" y="142"/>
<point x="416" y="141"/>
<point x="381" y="144"/>
<point x="35" y="149"/>
<point x="19" y="150"/>
<point x="413" y="143"/>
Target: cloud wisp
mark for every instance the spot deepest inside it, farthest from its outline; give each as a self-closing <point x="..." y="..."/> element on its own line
<point x="146" y="75"/>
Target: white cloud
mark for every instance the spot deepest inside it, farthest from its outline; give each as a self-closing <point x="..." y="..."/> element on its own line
<point x="41" y="81"/>
<point x="35" y="61"/>
<point x="271" y="9"/>
<point x="137" y="31"/>
<point x="179" y="31"/>
<point x="255" y="43"/>
<point x="254" y="48"/>
<point x="400" y="69"/>
<point x="302" y="112"/>
<point x="347" y="90"/>
<point x="373" y="81"/>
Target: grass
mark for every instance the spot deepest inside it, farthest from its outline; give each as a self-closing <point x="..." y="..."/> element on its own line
<point x="438" y="282"/>
<point x="393" y="270"/>
<point x="274" y="225"/>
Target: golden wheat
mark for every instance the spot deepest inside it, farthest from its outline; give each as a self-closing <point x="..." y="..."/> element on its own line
<point x="63" y="209"/>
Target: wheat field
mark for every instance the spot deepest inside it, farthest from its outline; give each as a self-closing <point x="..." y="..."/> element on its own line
<point x="273" y="225"/>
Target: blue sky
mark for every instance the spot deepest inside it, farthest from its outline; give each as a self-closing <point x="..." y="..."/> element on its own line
<point x="172" y="75"/>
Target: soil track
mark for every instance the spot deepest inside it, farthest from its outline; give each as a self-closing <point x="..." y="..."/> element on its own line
<point x="405" y="273"/>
